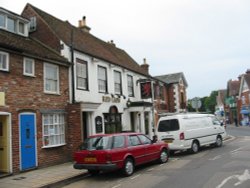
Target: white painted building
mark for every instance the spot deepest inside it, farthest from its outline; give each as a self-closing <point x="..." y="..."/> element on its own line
<point x="105" y="80"/>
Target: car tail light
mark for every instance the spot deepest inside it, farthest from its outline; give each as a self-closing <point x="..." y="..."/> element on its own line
<point x="182" y="136"/>
<point x="108" y="158"/>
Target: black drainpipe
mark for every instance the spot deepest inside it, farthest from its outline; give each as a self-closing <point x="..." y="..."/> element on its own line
<point x="72" y="66"/>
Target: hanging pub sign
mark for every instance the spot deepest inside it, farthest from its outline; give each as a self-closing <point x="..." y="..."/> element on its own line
<point x="146" y="90"/>
<point x="98" y="124"/>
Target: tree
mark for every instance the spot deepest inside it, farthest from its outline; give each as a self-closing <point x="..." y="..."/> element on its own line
<point x="210" y="102"/>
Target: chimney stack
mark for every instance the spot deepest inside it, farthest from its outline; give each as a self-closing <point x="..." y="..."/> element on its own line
<point x="83" y="26"/>
<point x="145" y="66"/>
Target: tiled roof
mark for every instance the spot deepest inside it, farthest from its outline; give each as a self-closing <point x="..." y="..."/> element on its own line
<point x="89" y="44"/>
<point x="29" y="47"/>
<point x="172" y="78"/>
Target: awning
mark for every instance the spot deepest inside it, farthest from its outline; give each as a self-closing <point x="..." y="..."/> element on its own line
<point x="245" y="111"/>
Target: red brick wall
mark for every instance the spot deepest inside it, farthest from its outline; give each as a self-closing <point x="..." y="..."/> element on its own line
<point x="74" y="126"/>
<point x="171" y="98"/>
<point x="43" y="32"/>
<point x="25" y="94"/>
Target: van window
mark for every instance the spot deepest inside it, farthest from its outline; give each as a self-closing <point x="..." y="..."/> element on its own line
<point x="168" y="125"/>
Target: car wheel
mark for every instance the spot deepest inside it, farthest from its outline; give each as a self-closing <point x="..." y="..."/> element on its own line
<point x="194" y="147"/>
<point x="128" y="168"/>
<point x="218" y="142"/>
<point x="163" y="156"/>
<point x="93" y="172"/>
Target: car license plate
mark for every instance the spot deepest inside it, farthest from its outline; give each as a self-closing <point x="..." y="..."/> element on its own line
<point x="168" y="141"/>
<point x="90" y="159"/>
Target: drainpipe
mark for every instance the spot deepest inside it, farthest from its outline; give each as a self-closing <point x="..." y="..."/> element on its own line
<point x="72" y="66"/>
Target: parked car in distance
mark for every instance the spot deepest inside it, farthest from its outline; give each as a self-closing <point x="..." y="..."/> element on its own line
<point x="124" y="151"/>
<point x="190" y="131"/>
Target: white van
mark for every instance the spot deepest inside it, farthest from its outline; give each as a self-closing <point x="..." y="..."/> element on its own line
<point x="190" y="131"/>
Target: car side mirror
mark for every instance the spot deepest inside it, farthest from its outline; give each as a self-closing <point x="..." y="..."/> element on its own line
<point x="155" y="139"/>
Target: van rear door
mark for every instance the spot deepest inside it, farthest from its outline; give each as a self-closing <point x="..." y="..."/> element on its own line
<point x="168" y="129"/>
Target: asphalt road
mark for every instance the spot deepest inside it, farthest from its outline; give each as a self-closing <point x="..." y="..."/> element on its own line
<point x="225" y="167"/>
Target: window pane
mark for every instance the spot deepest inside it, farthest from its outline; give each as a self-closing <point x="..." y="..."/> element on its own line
<point x="3" y="61"/>
<point x="2" y="20"/>
<point x="29" y="66"/>
<point x="102" y="79"/>
<point x="54" y="132"/>
<point x="81" y="75"/>
<point x="118" y="86"/>
<point x="11" y="24"/>
<point x="51" y="80"/>
<point x="21" y="27"/>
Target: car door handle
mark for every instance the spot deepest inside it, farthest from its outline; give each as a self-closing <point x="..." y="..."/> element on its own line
<point x="28" y="146"/>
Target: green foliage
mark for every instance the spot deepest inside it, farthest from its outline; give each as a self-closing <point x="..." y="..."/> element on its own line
<point x="207" y="103"/>
<point x="210" y="102"/>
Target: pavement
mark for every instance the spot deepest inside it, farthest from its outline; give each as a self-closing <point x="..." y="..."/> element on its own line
<point x="48" y="177"/>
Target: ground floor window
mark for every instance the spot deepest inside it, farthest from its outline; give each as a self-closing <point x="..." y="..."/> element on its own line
<point x="53" y="130"/>
<point x="112" y="121"/>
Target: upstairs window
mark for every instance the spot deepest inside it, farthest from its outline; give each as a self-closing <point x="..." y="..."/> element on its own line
<point x="81" y="74"/>
<point x="21" y="27"/>
<point x="118" y="82"/>
<point x="28" y="67"/>
<point x="4" y="61"/>
<point x="51" y="78"/>
<point x="130" y="86"/>
<point x="102" y="80"/>
<point x="2" y="20"/>
<point x="11" y="26"/>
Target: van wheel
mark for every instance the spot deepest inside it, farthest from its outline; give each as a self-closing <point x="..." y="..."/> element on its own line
<point x="218" y="142"/>
<point x="194" y="147"/>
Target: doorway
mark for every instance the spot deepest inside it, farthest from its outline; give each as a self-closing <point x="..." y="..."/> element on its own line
<point x="28" y="141"/>
<point x="5" y="144"/>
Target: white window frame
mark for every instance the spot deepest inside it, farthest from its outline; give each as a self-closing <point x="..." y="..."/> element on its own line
<point x="18" y="28"/>
<point x="130" y="93"/>
<point x="26" y="60"/>
<point x="102" y="80"/>
<point x="7" y="61"/>
<point x="4" y="19"/>
<point x="81" y="65"/>
<point x="53" y="130"/>
<point x="8" y="25"/>
<point x="45" y="79"/>
<point x="118" y="82"/>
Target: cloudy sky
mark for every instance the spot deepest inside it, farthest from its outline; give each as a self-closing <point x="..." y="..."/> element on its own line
<point x="207" y="40"/>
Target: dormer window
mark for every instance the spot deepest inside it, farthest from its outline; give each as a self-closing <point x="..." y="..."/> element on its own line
<point x="13" y="23"/>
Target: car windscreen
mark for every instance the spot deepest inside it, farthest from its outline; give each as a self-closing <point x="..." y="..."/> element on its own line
<point x="168" y="125"/>
<point x="97" y="143"/>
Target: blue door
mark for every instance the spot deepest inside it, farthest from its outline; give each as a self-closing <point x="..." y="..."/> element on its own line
<point x="28" y="143"/>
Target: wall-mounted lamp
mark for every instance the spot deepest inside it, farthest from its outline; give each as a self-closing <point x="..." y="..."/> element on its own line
<point x="128" y="103"/>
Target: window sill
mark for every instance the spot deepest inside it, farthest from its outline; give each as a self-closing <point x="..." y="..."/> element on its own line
<point x="51" y="93"/>
<point x="53" y="146"/>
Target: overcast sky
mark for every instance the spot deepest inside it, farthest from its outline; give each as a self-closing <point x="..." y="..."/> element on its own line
<point x="207" y="40"/>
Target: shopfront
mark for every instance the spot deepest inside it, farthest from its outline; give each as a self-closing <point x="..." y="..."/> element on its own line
<point x="245" y="111"/>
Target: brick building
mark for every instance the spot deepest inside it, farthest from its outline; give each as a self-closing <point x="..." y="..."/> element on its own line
<point x="244" y="99"/>
<point x="175" y="91"/>
<point x="34" y="94"/>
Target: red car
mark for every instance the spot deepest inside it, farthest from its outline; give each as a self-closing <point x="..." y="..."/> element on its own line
<point x="119" y="151"/>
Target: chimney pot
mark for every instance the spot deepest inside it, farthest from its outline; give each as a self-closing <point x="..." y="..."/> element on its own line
<point x="83" y="26"/>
